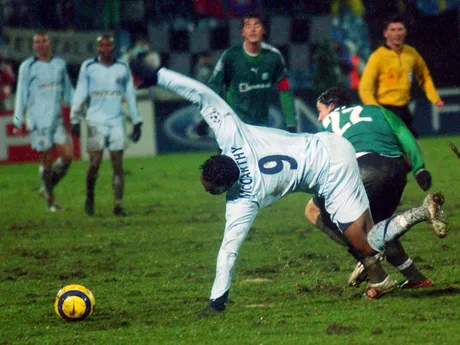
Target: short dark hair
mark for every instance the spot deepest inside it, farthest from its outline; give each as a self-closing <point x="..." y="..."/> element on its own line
<point x="253" y="16"/>
<point x="336" y="96"/>
<point x="394" y="19"/>
<point x="220" y="170"/>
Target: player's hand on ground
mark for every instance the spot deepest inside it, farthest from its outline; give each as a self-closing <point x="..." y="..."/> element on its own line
<point x="423" y="178"/>
<point x="137" y="131"/>
<point x="76" y="129"/>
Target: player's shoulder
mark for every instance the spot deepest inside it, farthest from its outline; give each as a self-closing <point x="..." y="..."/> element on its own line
<point x="409" y="49"/>
<point x="230" y="55"/>
<point x="90" y="61"/>
<point x="58" y="59"/>
<point x="28" y="62"/>
<point x="59" y="62"/>
<point x="372" y="110"/>
<point x="382" y="50"/>
<point x="122" y="64"/>
<point x="270" y="49"/>
<point x="233" y="50"/>
<point x="373" y="107"/>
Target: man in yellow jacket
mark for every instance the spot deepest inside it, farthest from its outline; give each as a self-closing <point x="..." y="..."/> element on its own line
<point x="389" y="72"/>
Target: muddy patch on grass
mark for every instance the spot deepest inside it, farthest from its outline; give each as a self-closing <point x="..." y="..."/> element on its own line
<point x="255" y="306"/>
<point x="338" y="329"/>
<point x="262" y="270"/>
<point x="443" y="292"/>
<point x="256" y="280"/>
<point x="72" y="275"/>
<point x="314" y="256"/>
<point x="301" y="288"/>
<point x="13" y="274"/>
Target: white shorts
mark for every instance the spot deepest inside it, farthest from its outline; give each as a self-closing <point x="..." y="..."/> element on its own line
<point x="43" y="138"/>
<point x="343" y="190"/>
<point x="100" y="137"/>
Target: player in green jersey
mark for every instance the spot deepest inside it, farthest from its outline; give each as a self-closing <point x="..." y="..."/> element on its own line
<point x="380" y="140"/>
<point x="247" y="72"/>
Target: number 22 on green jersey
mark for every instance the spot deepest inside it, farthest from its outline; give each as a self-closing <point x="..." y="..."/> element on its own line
<point x="340" y="123"/>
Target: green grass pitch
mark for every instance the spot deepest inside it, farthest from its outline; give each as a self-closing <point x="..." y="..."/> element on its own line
<point x="152" y="271"/>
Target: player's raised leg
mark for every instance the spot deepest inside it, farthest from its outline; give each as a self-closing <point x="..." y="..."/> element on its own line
<point x="430" y="211"/>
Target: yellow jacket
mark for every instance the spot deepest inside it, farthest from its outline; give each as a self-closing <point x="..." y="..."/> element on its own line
<point x="388" y="75"/>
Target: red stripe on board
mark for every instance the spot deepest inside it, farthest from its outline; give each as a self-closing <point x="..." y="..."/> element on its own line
<point x="25" y="153"/>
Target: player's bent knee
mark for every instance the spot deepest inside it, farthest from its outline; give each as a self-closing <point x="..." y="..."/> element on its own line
<point x="358" y="239"/>
<point x="364" y="249"/>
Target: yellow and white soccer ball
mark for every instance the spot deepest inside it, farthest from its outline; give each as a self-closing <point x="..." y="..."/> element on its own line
<point x="74" y="303"/>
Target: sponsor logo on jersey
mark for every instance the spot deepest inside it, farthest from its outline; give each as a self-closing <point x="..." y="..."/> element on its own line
<point x="49" y="85"/>
<point x="255" y="70"/>
<point x="245" y="87"/>
<point x="100" y="94"/>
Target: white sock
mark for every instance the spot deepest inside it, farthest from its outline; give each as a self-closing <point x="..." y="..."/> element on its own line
<point x="391" y="228"/>
<point x="405" y="265"/>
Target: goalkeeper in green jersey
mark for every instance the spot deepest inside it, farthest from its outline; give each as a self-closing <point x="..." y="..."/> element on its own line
<point x="247" y="72"/>
<point x="381" y="140"/>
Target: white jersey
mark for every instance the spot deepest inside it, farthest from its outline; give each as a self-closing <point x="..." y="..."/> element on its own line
<point x="103" y="88"/>
<point x="43" y="86"/>
<point x="272" y="164"/>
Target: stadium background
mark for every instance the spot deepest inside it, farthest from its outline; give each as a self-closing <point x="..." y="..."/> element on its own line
<point x="317" y="38"/>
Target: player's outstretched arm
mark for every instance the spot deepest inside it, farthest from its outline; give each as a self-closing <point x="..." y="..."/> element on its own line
<point x="197" y="93"/>
<point x="411" y="148"/>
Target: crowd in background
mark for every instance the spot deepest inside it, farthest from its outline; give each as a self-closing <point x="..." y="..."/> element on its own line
<point x="110" y="14"/>
<point x="356" y="27"/>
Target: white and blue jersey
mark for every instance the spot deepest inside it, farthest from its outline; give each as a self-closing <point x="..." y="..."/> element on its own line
<point x="43" y="86"/>
<point x="102" y="89"/>
<point x="272" y="163"/>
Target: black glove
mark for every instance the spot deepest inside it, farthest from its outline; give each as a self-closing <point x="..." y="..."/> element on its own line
<point x="76" y="129"/>
<point x="423" y="178"/>
<point x="136" y="135"/>
<point x="292" y="129"/>
<point x="202" y="128"/>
